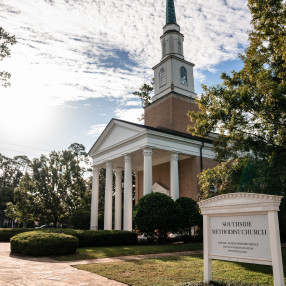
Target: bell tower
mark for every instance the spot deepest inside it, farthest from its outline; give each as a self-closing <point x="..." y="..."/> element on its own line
<point x="174" y="93"/>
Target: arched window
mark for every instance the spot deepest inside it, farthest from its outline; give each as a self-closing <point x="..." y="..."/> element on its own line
<point x="162" y="77"/>
<point x="164" y="47"/>
<point x="179" y="46"/>
<point x="184" y="75"/>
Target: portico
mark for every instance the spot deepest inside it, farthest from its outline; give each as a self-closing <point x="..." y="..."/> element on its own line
<point x="128" y="147"/>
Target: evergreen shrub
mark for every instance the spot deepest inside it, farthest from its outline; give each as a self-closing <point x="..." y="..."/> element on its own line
<point x="85" y="237"/>
<point x="99" y="237"/>
<point x="7" y="233"/>
<point x="38" y="243"/>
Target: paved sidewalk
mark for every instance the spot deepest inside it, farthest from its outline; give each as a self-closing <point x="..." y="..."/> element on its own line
<point x="25" y="271"/>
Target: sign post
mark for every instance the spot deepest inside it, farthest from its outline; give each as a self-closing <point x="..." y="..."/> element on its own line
<point x="242" y="227"/>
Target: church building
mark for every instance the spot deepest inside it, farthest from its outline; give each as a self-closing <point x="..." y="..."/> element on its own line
<point x="161" y="153"/>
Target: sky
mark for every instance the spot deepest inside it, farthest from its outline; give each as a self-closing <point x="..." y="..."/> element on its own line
<point x="77" y="62"/>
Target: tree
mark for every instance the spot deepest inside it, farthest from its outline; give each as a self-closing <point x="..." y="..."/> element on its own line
<point x="80" y="219"/>
<point x="249" y="108"/>
<point x="144" y="94"/>
<point x="156" y="212"/>
<point x="55" y="186"/>
<point x="5" y="41"/>
<point x="12" y="169"/>
<point x="189" y="215"/>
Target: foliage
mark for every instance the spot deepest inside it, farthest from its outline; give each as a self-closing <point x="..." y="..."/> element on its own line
<point x="249" y="111"/>
<point x="189" y="215"/>
<point x="242" y="175"/>
<point x="85" y="237"/>
<point x="54" y="186"/>
<point x="37" y="243"/>
<point x="98" y="237"/>
<point x="12" y="169"/>
<point x="158" y="212"/>
<point x="249" y="107"/>
<point x="144" y="94"/>
<point x="80" y="219"/>
<point x="7" y="233"/>
<point x="5" y="41"/>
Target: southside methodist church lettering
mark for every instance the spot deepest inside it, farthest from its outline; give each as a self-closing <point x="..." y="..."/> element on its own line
<point x="234" y="227"/>
<point x="243" y="236"/>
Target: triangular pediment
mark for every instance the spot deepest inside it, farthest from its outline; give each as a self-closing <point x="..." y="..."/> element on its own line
<point x="115" y="133"/>
<point x="157" y="188"/>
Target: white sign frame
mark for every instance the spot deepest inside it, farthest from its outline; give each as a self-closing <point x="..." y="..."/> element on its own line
<point x="240" y="205"/>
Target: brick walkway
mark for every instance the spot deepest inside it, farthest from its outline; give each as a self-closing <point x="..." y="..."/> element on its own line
<point x="24" y="271"/>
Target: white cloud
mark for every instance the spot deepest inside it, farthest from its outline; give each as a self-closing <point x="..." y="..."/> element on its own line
<point x="71" y="50"/>
<point x="67" y="50"/>
<point x="96" y="130"/>
<point x="131" y="114"/>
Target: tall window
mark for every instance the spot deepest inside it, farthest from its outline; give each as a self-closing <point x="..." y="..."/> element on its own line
<point x="179" y="46"/>
<point x="184" y="76"/>
<point x="162" y="77"/>
<point x="164" y="47"/>
<point x="171" y="42"/>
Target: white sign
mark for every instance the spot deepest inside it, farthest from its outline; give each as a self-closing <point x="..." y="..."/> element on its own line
<point x="243" y="236"/>
<point x="242" y="227"/>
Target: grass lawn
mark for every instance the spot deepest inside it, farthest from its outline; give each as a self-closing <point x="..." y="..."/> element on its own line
<point x="174" y="270"/>
<point x="113" y="251"/>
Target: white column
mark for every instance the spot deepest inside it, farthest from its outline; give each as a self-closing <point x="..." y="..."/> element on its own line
<point x="108" y="197"/>
<point x="275" y="247"/>
<point x="118" y="199"/>
<point x="147" y="177"/>
<point x="127" y="218"/>
<point x="207" y="261"/>
<point x="174" y="176"/>
<point x="94" y="199"/>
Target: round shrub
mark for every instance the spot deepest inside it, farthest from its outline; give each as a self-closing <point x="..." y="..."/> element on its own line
<point x="37" y="243"/>
<point x="157" y="212"/>
<point x="190" y="214"/>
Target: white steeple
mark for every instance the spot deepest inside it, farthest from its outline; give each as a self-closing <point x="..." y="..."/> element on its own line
<point x="173" y="73"/>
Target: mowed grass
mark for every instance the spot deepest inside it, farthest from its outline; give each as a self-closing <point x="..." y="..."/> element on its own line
<point x="113" y="251"/>
<point x="179" y="269"/>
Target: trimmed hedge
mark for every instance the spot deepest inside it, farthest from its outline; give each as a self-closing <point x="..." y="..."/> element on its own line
<point x="37" y="243"/>
<point x="217" y="283"/>
<point x="99" y="237"/>
<point x="85" y="237"/>
<point x="7" y="233"/>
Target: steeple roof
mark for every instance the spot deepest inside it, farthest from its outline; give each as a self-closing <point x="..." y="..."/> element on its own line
<point x="170" y="12"/>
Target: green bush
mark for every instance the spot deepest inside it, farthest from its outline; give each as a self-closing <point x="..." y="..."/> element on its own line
<point x="157" y="212"/>
<point x="99" y="237"/>
<point x="217" y="283"/>
<point x="7" y="233"/>
<point x="85" y="237"/>
<point x="38" y="243"/>
<point x="80" y="219"/>
<point x="190" y="214"/>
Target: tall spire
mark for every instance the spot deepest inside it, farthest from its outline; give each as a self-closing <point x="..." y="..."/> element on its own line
<point x="170" y="12"/>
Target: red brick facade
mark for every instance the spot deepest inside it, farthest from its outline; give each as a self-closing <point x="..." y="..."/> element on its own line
<point x="170" y="112"/>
